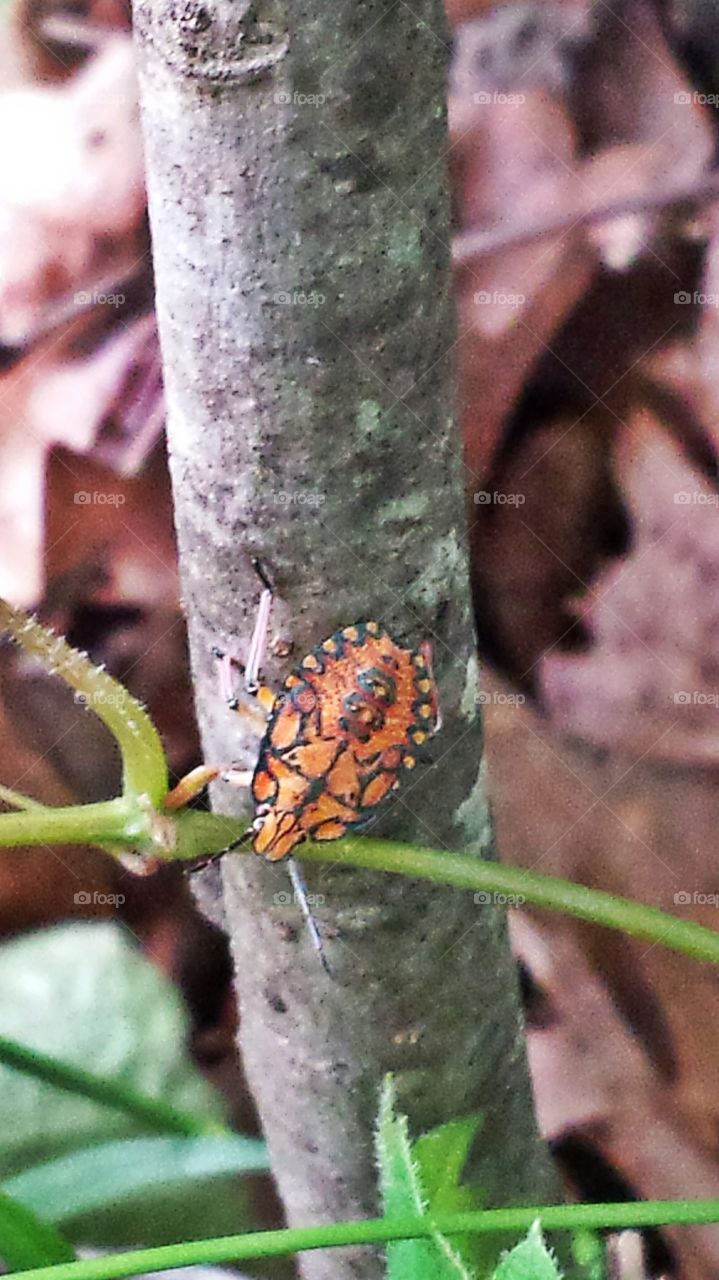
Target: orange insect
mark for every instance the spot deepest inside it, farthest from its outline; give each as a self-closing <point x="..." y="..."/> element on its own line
<point x="339" y="736"/>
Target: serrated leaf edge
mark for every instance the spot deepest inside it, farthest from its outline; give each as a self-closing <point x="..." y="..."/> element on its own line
<point x="389" y="1115"/>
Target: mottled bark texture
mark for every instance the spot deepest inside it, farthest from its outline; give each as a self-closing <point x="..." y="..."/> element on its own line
<point x="299" y="212"/>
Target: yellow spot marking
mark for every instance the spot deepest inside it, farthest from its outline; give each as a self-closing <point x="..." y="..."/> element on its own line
<point x="351" y="633"/>
<point x="373" y="628"/>
<point x="266" y="698"/>
<point x="419" y="736"/>
<point x="409" y="762"/>
<point x="419" y="661"/>
<point x="424" y="685"/>
<point x="329" y="646"/>
<point x="425" y="711"/>
<point x="310" y="662"/>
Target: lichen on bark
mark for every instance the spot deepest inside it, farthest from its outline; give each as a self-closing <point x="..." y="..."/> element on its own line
<point x="300" y="226"/>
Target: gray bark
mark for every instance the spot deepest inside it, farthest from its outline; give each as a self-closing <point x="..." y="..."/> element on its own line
<point x="317" y="433"/>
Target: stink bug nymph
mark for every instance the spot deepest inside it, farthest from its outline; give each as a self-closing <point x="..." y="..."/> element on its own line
<point x="338" y="738"/>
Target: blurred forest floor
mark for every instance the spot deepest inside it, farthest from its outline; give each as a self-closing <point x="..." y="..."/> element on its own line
<point x="582" y="144"/>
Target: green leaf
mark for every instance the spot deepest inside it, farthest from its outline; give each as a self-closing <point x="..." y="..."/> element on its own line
<point x="96" y="1177"/>
<point x="143" y="758"/>
<point x="529" y="1260"/>
<point x="441" y="1156"/>
<point x="84" y="994"/>
<point x="154" y="1113"/>
<point x="404" y="1193"/>
<point x="589" y="1253"/>
<point x="26" y="1241"/>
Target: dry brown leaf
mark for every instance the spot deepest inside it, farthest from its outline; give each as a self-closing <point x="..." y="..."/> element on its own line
<point x="513" y="152"/>
<point x="513" y="159"/>
<point x="649" y="682"/>
<point x="575" y="1088"/>
<point x="646" y="131"/>
<point x="46" y="40"/>
<point x="73" y="200"/>
<point x="108" y="403"/>
<point x="592" y="1079"/>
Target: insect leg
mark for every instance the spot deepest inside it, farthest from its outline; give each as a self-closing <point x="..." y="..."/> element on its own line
<point x="258" y="643"/>
<point x="300" y="888"/>
<point x="225" y="663"/>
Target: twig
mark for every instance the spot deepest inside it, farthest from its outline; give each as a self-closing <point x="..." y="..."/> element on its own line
<point x="485" y="244"/>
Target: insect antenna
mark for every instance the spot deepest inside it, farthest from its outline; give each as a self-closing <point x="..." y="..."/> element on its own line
<point x="300" y="888"/>
<point x="198" y="864"/>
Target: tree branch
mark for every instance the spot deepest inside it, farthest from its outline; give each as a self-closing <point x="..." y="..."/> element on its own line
<point x="301" y="230"/>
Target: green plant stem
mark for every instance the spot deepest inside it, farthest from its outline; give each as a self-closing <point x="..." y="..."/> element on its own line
<point x="648" y="923"/>
<point x="270" y="1244"/>
<point x="156" y="1114"/>
<point x="120" y="820"/>
<point x="125" y="824"/>
<point x="144" y="765"/>
<point x="17" y="800"/>
<point x="642" y="922"/>
<point x="197" y="834"/>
